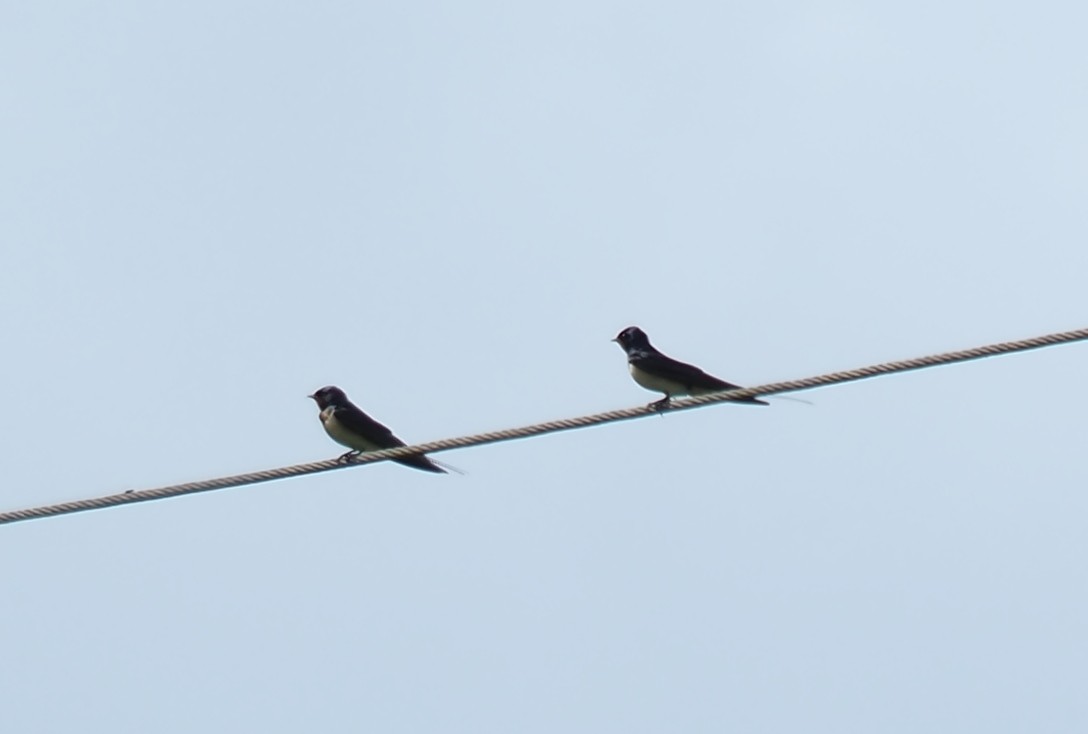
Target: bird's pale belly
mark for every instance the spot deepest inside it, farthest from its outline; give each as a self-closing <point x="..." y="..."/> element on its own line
<point x="342" y="436"/>
<point x="655" y="383"/>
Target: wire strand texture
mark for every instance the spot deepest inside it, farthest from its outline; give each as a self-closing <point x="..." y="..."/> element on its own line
<point x="567" y="424"/>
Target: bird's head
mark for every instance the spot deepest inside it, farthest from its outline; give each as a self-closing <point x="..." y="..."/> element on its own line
<point x="329" y="395"/>
<point x="632" y="338"/>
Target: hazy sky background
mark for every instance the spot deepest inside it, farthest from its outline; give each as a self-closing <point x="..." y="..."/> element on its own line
<point x="210" y="209"/>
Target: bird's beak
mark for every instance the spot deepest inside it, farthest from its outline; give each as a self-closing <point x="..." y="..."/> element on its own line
<point x="617" y="339"/>
<point x="311" y="397"/>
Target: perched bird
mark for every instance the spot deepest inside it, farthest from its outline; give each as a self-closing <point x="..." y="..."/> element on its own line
<point x="654" y="371"/>
<point x="349" y="426"/>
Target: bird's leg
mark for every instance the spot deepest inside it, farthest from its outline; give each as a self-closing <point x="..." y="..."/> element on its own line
<point x="345" y="458"/>
<point x="661" y="405"/>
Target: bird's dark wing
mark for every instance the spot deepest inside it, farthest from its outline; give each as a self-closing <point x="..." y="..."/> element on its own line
<point x="358" y="422"/>
<point x="361" y="424"/>
<point x="685" y="374"/>
<point x="688" y="375"/>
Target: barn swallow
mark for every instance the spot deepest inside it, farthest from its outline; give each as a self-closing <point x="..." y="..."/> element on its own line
<point x="349" y="426"/>
<point x="654" y="371"/>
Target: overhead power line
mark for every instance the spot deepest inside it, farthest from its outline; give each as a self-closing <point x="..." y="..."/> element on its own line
<point x="479" y="439"/>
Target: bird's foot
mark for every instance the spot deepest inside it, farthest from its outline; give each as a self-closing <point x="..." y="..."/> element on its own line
<point x="661" y="405"/>
<point x="347" y="458"/>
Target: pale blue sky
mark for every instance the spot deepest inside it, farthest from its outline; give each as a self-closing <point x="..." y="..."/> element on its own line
<point x="208" y="210"/>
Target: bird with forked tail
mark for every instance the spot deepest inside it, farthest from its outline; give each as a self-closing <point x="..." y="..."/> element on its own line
<point x="654" y="371"/>
<point x="349" y="426"/>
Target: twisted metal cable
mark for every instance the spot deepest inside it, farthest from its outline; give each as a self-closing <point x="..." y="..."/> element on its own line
<point x="566" y="424"/>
